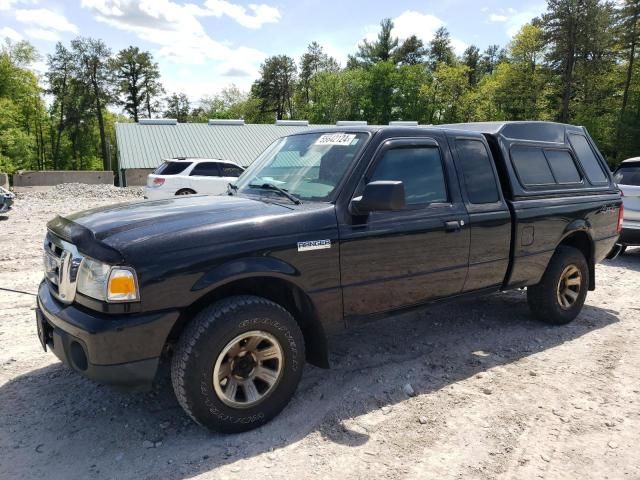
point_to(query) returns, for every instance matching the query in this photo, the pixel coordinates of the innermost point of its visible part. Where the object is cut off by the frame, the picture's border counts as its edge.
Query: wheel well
(185, 190)
(284, 293)
(581, 241)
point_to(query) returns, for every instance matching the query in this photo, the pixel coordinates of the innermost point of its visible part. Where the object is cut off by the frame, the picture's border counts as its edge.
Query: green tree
(276, 86)
(471, 58)
(92, 63)
(380, 50)
(60, 77)
(411, 97)
(230, 103)
(312, 62)
(440, 49)
(178, 107)
(339, 95)
(449, 94)
(521, 82)
(491, 57)
(138, 81)
(410, 52)
(22, 121)
(571, 28)
(380, 83)
(628, 19)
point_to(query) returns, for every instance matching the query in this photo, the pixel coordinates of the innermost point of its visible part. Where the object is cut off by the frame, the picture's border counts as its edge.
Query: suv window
(628, 175)
(477, 171)
(587, 158)
(419, 168)
(563, 167)
(531, 166)
(206, 169)
(172, 168)
(227, 170)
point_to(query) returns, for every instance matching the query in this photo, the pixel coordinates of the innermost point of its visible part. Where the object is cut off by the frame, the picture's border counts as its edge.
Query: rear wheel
(185, 191)
(561, 293)
(238, 363)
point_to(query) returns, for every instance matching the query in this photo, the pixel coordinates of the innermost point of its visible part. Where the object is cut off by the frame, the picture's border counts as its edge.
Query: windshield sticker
(313, 245)
(336, 139)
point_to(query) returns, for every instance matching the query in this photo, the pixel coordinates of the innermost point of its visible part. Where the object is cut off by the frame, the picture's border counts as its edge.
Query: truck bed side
(583, 214)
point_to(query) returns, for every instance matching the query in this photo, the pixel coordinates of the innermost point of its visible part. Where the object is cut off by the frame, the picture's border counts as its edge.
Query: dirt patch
(493, 394)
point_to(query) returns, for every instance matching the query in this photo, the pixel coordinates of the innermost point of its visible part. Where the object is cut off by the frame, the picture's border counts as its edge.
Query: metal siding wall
(145, 146)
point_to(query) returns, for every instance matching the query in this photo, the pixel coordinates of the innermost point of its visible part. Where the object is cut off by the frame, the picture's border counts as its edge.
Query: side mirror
(382, 195)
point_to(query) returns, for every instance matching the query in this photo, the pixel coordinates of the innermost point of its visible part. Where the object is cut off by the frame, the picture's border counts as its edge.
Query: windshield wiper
(275, 188)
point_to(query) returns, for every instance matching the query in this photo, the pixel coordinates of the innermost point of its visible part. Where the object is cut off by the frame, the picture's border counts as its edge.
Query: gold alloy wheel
(569, 287)
(248, 369)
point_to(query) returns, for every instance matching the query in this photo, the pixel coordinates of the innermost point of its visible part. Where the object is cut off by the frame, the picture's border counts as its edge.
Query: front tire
(238, 363)
(561, 293)
(185, 191)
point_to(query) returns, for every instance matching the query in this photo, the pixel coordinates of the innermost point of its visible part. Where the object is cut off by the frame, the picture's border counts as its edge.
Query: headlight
(104, 282)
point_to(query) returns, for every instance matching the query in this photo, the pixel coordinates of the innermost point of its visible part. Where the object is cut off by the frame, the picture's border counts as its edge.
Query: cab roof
(537, 131)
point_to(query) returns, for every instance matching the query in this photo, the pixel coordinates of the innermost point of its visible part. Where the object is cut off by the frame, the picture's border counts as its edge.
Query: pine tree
(380, 50)
(410, 52)
(138, 82)
(440, 49)
(276, 85)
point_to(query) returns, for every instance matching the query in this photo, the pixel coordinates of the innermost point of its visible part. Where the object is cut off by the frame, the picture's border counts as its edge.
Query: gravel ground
(475, 389)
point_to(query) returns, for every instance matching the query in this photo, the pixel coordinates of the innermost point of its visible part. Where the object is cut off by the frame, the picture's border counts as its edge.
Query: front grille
(52, 261)
(61, 264)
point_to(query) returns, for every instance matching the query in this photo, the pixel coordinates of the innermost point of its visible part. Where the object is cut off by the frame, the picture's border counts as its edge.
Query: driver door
(395, 259)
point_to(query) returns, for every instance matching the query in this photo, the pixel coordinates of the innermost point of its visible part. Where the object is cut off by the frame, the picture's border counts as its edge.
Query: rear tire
(185, 191)
(561, 293)
(238, 363)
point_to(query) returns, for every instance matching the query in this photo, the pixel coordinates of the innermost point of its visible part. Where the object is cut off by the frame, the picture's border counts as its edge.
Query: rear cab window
(477, 171)
(172, 168)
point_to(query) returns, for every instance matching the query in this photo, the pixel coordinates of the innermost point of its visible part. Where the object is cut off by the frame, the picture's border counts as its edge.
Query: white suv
(186, 176)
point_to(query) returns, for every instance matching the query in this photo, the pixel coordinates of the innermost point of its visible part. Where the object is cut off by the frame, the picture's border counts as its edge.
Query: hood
(150, 222)
(172, 214)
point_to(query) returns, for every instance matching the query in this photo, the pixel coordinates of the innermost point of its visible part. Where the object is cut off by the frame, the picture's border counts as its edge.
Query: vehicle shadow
(56, 424)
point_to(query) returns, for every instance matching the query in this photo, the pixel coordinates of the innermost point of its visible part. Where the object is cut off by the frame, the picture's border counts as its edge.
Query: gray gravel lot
(475, 389)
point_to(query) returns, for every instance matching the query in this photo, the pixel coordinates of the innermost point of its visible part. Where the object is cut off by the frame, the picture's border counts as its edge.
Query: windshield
(628, 175)
(308, 166)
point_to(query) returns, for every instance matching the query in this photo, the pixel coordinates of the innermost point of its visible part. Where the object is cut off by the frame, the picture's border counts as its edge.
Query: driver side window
(421, 171)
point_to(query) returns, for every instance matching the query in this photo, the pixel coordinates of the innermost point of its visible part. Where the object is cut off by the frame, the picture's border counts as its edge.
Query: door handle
(453, 226)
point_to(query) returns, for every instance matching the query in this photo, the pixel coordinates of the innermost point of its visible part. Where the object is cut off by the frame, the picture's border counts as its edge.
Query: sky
(202, 46)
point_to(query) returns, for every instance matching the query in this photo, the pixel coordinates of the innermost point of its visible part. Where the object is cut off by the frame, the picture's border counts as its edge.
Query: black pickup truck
(327, 228)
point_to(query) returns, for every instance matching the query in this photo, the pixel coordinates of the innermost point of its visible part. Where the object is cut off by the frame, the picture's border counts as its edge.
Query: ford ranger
(326, 229)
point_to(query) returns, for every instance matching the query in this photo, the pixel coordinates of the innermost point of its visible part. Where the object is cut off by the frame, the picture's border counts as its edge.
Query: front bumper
(119, 350)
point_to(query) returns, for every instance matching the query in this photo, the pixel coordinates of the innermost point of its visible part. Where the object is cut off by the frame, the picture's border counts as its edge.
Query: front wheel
(185, 191)
(238, 364)
(561, 293)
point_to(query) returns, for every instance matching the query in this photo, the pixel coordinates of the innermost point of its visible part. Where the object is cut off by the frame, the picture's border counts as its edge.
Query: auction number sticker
(336, 139)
